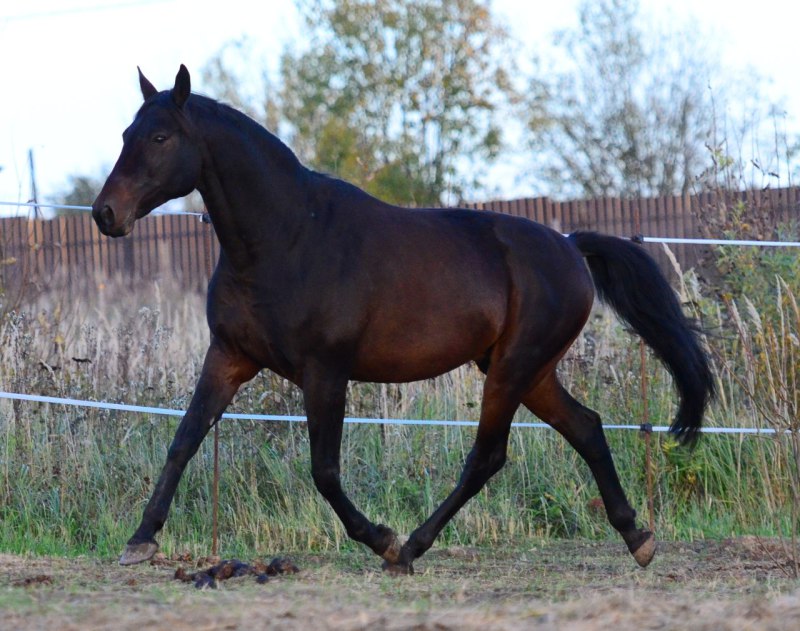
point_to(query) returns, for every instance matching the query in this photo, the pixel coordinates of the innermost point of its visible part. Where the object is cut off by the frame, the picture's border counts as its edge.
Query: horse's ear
(148, 89)
(183, 87)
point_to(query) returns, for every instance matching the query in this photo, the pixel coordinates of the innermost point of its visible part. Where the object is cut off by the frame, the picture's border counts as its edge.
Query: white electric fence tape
(362, 421)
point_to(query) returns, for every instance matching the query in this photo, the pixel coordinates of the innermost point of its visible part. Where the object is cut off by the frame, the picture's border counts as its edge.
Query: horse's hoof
(392, 553)
(138, 553)
(645, 552)
(398, 569)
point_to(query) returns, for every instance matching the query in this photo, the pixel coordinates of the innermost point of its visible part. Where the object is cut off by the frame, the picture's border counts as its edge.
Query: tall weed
(75, 480)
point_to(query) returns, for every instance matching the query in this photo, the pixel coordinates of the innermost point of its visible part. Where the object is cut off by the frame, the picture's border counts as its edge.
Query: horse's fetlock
(622, 519)
(357, 533)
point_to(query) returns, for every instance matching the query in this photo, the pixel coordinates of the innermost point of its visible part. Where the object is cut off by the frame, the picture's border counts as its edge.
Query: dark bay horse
(322, 284)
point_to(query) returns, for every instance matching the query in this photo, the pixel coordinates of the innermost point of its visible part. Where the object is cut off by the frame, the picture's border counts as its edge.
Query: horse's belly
(389, 369)
(422, 349)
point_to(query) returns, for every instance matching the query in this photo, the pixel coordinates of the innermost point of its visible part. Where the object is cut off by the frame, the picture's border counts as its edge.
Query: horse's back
(446, 285)
(536, 259)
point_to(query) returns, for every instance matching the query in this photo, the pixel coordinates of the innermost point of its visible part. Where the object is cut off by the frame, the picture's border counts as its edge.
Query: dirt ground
(732, 584)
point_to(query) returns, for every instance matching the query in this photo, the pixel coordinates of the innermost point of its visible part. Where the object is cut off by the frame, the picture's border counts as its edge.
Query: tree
(233, 76)
(81, 190)
(634, 112)
(397, 96)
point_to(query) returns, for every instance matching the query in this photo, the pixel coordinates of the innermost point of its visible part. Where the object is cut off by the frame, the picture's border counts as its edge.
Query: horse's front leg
(324, 394)
(221, 376)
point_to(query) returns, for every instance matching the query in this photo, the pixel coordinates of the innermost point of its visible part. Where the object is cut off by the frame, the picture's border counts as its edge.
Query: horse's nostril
(107, 216)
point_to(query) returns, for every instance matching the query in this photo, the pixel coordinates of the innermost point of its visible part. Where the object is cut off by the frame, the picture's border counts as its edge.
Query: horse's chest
(248, 329)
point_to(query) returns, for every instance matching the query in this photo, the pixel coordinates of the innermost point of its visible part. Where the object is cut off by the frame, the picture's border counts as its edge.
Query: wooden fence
(706, 215)
(69, 250)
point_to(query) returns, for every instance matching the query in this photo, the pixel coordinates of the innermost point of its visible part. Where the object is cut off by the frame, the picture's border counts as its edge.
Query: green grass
(74, 481)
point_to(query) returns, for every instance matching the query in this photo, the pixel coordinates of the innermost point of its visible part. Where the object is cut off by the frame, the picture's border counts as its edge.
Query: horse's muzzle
(103, 215)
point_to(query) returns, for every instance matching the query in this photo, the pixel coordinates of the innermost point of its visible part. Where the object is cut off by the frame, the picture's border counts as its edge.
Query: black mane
(212, 109)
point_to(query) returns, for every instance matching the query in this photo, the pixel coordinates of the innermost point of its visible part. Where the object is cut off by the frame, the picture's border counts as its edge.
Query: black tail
(629, 280)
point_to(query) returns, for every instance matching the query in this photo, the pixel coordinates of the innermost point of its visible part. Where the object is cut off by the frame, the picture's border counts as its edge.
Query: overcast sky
(69, 83)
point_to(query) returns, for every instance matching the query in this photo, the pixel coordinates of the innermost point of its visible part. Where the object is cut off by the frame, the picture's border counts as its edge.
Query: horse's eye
(159, 138)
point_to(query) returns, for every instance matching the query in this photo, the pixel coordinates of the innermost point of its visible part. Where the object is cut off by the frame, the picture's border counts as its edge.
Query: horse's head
(160, 159)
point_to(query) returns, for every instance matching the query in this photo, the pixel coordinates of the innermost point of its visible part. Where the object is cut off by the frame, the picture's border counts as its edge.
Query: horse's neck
(255, 191)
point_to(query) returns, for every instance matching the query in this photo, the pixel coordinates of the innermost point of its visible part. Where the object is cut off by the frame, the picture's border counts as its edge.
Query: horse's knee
(482, 465)
(496, 460)
(326, 479)
(180, 452)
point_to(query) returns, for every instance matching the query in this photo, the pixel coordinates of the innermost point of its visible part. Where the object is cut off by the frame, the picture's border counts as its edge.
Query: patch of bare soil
(732, 584)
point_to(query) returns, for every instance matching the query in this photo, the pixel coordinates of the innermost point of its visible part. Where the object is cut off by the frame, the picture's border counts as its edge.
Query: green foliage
(754, 271)
(74, 480)
(395, 96)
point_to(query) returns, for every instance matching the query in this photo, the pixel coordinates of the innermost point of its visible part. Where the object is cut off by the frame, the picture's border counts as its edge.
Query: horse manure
(281, 566)
(234, 568)
(203, 580)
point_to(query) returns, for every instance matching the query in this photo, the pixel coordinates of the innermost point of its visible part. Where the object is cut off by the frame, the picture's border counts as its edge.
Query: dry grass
(574, 585)
(74, 482)
(62, 466)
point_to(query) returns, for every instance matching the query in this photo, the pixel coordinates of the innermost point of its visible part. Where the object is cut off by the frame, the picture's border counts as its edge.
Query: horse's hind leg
(583, 430)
